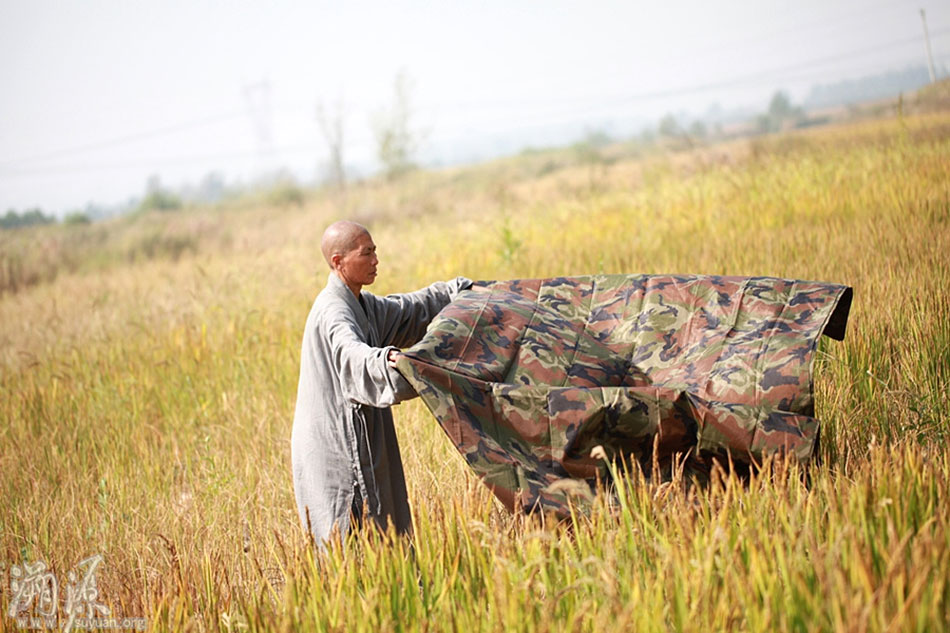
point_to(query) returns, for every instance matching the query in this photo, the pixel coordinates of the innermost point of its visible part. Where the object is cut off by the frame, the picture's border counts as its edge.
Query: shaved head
(340, 238)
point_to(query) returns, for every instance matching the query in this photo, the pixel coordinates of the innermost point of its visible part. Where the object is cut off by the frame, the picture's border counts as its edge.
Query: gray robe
(343, 437)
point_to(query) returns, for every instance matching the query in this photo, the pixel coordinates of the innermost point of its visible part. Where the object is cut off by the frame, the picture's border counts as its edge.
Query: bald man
(343, 445)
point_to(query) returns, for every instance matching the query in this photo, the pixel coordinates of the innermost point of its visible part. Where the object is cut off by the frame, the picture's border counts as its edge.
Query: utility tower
(257, 96)
(930, 57)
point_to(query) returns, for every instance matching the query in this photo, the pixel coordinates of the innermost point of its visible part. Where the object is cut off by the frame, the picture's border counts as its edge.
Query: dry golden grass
(148, 399)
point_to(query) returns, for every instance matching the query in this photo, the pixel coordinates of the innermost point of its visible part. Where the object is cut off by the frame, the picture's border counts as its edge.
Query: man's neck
(354, 287)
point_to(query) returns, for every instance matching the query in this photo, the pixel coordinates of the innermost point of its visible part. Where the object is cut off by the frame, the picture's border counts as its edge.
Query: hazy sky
(99, 94)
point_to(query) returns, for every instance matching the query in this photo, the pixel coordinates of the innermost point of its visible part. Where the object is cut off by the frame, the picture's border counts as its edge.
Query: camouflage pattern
(527, 377)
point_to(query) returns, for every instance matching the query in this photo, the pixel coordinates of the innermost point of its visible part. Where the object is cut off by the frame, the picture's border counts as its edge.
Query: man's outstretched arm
(402, 318)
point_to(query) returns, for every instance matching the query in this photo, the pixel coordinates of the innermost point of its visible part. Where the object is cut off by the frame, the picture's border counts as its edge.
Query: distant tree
(31, 217)
(95, 211)
(714, 113)
(589, 152)
(780, 107)
(598, 138)
(697, 130)
(160, 201)
(211, 188)
(157, 197)
(779, 113)
(588, 149)
(331, 126)
(647, 135)
(396, 140)
(669, 127)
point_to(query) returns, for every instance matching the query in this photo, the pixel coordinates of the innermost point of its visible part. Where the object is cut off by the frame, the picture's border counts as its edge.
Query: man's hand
(392, 357)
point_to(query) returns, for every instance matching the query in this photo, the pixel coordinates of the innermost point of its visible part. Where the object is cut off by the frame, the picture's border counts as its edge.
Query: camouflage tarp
(526, 377)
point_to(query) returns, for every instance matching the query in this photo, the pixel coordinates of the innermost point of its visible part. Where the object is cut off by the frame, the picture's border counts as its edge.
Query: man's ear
(335, 259)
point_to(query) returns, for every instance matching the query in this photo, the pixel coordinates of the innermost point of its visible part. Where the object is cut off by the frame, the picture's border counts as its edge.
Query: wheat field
(149, 369)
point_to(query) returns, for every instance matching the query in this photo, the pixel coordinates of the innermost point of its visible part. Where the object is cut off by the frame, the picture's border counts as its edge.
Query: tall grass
(147, 404)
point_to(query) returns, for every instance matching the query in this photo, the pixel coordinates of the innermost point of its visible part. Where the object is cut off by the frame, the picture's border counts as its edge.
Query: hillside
(149, 369)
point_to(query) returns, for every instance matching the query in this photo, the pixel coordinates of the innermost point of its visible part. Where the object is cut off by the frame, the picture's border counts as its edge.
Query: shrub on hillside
(76, 218)
(160, 200)
(285, 194)
(161, 245)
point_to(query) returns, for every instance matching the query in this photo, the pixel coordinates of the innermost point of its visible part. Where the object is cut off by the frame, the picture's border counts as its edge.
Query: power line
(122, 140)
(712, 46)
(750, 78)
(769, 37)
(218, 118)
(769, 75)
(170, 161)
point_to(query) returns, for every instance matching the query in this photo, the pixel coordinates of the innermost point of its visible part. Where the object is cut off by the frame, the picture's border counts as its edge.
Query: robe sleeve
(365, 374)
(402, 318)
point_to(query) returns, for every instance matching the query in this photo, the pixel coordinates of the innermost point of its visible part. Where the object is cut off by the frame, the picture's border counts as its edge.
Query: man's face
(359, 265)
